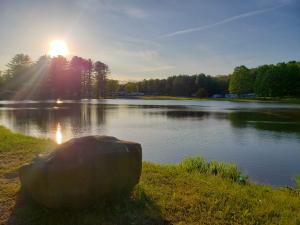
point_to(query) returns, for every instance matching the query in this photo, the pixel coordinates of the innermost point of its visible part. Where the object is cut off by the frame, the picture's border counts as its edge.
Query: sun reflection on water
(58, 134)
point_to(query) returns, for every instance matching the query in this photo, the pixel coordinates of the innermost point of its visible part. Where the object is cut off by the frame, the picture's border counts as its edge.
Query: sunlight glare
(58, 47)
(58, 137)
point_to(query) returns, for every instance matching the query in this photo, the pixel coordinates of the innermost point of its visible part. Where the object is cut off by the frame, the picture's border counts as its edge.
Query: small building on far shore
(248, 95)
(127, 94)
(231, 96)
(135, 94)
(217, 96)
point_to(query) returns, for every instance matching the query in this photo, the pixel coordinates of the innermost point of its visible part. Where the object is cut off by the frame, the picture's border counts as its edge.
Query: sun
(58, 47)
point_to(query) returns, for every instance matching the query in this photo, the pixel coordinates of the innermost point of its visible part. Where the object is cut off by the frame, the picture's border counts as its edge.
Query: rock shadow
(138, 209)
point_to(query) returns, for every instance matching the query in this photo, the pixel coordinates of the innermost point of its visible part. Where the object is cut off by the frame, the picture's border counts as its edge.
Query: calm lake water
(262, 138)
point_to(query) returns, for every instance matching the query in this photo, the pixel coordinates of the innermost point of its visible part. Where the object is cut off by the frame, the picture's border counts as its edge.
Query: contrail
(227, 20)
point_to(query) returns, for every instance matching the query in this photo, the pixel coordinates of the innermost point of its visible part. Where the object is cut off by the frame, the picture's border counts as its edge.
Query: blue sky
(155, 38)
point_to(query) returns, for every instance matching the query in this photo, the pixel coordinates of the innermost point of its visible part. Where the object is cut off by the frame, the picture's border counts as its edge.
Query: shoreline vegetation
(181, 98)
(258, 100)
(191, 192)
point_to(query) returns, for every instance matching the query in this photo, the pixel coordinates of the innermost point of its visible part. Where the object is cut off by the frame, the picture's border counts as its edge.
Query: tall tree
(17, 74)
(42, 78)
(58, 69)
(75, 74)
(18, 64)
(89, 68)
(101, 70)
(1, 78)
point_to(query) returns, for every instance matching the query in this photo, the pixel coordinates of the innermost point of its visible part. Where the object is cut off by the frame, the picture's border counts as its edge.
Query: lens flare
(58, 47)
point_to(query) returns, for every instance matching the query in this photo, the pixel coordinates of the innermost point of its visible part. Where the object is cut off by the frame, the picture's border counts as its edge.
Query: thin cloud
(155, 68)
(139, 55)
(127, 10)
(227, 20)
(135, 12)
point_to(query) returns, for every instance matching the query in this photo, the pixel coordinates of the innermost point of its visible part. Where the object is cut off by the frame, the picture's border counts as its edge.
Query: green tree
(18, 74)
(101, 70)
(201, 93)
(280, 80)
(131, 87)
(89, 68)
(1, 79)
(76, 77)
(262, 84)
(111, 86)
(241, 81)
(18, 64)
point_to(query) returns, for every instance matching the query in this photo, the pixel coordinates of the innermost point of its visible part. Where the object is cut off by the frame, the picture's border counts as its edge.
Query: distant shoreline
(262, 100)
(179, 98)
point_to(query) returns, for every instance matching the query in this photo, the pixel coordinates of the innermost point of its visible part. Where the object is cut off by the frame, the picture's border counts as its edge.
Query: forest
(200, 85)
(79, 78)
(53, 78)
(280, 80)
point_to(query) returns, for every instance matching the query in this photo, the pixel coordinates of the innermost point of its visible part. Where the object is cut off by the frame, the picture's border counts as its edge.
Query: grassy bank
(263, 100)
(192, 192)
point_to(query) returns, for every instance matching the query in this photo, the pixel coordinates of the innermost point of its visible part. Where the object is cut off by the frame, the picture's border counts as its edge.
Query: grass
(297, 181)
(263, 100)
(200, 165)
(192, 192)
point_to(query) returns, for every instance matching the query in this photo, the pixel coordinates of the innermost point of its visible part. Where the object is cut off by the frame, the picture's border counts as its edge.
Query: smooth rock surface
(83, 171)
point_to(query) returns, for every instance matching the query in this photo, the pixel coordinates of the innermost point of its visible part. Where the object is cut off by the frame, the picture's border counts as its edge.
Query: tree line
(53, 78)
(280, 80)
(200, 85)
(56, 77)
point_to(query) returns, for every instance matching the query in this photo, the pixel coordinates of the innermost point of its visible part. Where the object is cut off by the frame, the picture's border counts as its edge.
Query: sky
(143, 39)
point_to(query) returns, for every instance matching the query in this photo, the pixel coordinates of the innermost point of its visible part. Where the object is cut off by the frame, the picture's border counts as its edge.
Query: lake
(263, 139)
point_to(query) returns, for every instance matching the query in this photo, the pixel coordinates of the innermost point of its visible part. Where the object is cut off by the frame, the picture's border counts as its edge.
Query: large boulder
(83, 171)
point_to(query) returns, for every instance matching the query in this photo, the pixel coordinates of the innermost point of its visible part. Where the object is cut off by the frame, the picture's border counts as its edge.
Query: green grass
(263, 100)
(200, 165)
(297, 181)
(192, 192)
